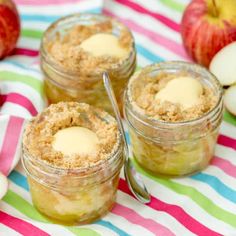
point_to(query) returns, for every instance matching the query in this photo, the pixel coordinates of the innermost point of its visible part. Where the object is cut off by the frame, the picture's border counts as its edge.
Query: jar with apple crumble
(72, 154)
(77, 49)
(173, 110)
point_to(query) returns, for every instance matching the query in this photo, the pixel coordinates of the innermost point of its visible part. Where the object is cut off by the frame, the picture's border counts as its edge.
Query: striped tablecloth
(203, 204)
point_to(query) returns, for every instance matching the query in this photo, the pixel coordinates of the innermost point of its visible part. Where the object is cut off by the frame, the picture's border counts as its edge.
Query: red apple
(207, 26)
(9, 27)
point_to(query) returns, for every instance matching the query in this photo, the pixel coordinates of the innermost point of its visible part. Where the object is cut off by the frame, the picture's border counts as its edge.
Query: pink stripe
(134, 6)
(175, 211)
(44, 2)
(225, 165)
(155, 37)
(10, 142)
(135, 218)
(20, 100)
(227, 141)
(26, 52)
(20, 226)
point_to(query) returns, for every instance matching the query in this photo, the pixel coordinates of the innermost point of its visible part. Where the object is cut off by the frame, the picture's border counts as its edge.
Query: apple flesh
(3, 185)
(9, 27)
(230, 100)
(207, 26)
(223, 65)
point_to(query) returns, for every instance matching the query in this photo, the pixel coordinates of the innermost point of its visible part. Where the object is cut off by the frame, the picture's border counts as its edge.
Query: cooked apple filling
(73, 59)
(171, 117)
(72, 155)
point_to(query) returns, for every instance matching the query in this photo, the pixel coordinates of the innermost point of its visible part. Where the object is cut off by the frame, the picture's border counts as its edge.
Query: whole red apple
(9, 27)
(207, 26)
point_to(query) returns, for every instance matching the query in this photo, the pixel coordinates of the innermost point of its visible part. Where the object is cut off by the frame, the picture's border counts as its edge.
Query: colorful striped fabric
(203, 204)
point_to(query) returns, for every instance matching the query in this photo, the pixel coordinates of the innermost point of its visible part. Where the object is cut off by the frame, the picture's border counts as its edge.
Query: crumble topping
(65, 48)
(143, 89)
(39, 134)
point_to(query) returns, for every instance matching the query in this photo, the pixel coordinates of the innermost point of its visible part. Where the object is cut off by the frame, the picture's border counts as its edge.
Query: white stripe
(61, 9)
(36, 25)
(4, 119)
(142, 61)
(25, 90)
(228, 129)
(133, 229)
(51, 229)
(6, 231)
(159, 7)
(226, 153)
(20, 191)
(29, 43)
(147, 21)
(18, 149)
(27, 71)
(167, 195)
(15, 109)
(160, 217)
(25, 60)
(209, 192)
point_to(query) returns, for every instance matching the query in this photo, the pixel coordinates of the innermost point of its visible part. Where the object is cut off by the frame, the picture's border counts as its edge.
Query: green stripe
(201, 200)
(26, 79)
(174, 5)
(27, 209)
(31, 33)
(229, 118)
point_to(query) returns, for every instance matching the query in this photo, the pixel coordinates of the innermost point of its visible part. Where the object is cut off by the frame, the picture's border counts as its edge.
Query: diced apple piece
(3, 185)
(230, 100)
(223, 65)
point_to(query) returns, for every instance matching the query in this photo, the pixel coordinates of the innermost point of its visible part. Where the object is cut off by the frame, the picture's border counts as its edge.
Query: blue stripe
(21, 181)
(17, 64)
(50, 18)
(217, 185)
(147, 54)
(127, 137)
(112, 227)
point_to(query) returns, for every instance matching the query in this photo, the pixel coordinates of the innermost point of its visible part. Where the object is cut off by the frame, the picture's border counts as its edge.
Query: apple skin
(9, 27)
(207, 26)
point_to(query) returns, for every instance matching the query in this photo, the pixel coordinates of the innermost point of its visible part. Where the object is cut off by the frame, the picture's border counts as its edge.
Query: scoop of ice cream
(102, 44)
(183, 90)
(75, 140)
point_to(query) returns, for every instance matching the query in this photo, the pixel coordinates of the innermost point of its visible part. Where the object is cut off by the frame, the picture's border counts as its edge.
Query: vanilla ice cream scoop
(183, 90)
(103, 44)
(75, 140)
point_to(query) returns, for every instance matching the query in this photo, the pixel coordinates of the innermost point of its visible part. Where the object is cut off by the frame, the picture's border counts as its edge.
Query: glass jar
(68, 85)
(174, 148)
(74, 196)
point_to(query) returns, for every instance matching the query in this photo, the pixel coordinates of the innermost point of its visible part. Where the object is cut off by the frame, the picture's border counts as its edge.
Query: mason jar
(78, 195)
(68, 85)
(174, 148)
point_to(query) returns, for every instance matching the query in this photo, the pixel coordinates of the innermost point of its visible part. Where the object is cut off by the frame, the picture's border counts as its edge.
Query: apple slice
(230, 100)
(223, 65)
(3, 185)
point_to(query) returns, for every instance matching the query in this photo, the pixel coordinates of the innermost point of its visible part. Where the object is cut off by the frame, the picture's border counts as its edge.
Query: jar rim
(161, 66)
(74, 74)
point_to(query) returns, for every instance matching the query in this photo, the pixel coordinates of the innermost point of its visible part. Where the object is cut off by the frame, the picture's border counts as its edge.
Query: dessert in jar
(72, 154)
(77, 49)
(173, 110)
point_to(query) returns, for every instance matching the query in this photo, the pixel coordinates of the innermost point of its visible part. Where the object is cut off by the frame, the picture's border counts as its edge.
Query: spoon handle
(110, 92)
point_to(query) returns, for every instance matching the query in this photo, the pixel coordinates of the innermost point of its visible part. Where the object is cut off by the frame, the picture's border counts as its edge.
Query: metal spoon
(132, 177)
